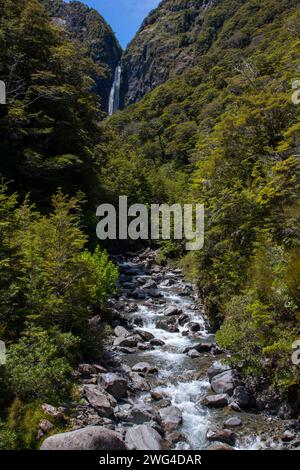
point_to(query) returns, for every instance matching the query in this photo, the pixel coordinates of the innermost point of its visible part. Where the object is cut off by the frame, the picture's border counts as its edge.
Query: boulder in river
(224, 382)
(137, 414)
(170, 311)
(241, 397)
(127, 342)
(144, 367)
(139, 383)
(89, 438)
(121, 332)
(193, 353)
(145, 335)
(171, 418)
(157, 342)
(102, 402)
(216, 401)
(216, 368)
(114, 384)
(221, 435)
(143, 437)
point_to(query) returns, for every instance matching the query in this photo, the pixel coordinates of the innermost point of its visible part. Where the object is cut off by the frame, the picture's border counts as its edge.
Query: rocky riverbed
(163, 383)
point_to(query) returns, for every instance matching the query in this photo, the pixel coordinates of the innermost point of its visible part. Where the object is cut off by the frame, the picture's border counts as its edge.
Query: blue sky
(124, 16)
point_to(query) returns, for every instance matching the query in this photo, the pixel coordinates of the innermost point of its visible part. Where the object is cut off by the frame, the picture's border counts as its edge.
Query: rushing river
(181, 378)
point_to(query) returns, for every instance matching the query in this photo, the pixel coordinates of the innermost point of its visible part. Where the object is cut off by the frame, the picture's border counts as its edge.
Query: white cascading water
(114, 97)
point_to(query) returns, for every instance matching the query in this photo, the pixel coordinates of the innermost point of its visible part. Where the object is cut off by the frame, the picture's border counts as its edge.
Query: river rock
(124, 350)
(157, 342)
(171, 418)
(113, 384)
(45, 426)
(89, 438)
(150, 284)
(241, 397)
(219, 446)
(194, 327)
(170, 311)
(127, 342)
(143, 437)
(121, 332)
(145, 335)
(222, 435)
(139, 383)
(144, 367)
(56, 413)
(193, 353)
(103, 403)
(137, 414)
(183, 318)
(215, 369)
(224, 382)
(216, 401)
(168, 324)
(233, 422)
(156, 396)
(144, 346)
(201, 347)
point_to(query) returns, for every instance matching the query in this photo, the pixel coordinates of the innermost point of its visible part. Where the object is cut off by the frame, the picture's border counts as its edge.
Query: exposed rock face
(87, 26)
(143, 437)
(90, 438)
(166, 44)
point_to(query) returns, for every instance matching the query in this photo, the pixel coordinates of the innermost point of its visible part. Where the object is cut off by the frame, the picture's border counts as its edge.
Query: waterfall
(114, 97)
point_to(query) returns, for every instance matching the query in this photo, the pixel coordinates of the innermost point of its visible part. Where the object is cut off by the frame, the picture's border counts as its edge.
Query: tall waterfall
(114, 97)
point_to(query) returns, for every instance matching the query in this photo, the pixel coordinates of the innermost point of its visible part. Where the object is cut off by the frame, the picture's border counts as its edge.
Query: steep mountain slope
(87, 26)
(172, 38)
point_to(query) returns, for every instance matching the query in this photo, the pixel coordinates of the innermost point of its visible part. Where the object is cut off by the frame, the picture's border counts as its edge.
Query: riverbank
(163, 383)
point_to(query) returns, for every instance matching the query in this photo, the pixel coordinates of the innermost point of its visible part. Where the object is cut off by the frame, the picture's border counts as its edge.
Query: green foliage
(38, 365)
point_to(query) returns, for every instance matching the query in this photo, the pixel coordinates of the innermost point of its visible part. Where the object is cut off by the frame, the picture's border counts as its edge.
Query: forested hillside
(216, 126)
(88, 28)
(226, 133)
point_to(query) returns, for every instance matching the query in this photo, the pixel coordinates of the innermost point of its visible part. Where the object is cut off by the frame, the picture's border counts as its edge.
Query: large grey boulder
(143, 437)
(127, 342)
(89, 438)
(171, 418)
(139, 383)
(215, 369)
(114, 384)
(170, 311)
(138, 414)
(121, 332)
(225, 382)
(145, 335)
(102, 402)
(216, 401)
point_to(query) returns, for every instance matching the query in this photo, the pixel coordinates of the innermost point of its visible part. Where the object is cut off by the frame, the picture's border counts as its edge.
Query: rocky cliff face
(168, 42)
(173, 38)
(87, 26)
